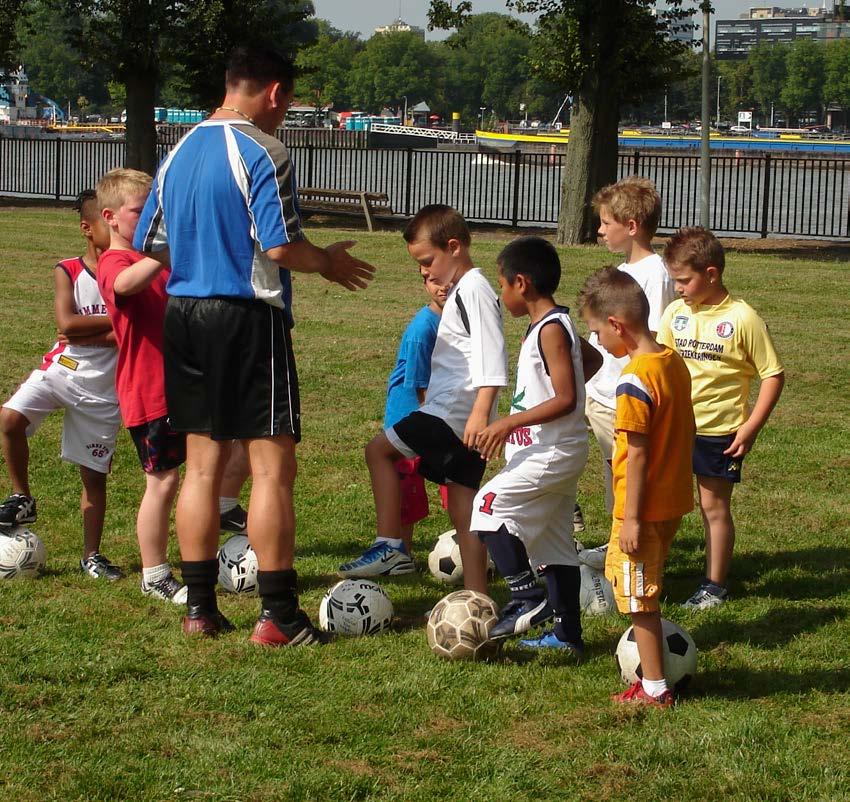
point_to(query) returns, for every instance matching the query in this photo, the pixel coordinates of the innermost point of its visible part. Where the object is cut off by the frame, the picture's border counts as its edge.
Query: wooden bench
(345, 201)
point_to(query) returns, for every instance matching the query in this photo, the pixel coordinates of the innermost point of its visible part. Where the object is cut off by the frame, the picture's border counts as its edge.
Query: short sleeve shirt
(724, 346)
(224, 196)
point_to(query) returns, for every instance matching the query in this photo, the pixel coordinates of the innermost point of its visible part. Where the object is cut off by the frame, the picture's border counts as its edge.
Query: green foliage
(802, 90)
(836, 87)
(325, 66)
(9, 47)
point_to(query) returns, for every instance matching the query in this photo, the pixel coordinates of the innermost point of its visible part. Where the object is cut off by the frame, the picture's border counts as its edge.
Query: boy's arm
(637, 460)
(137, 277)
(769, 392)
(591, 359)
(68, 322)
(480, 415)
(555, 345)
(106, 339)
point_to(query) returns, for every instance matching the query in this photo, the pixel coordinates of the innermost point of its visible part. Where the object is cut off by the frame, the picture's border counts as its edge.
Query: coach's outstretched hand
(347, 270)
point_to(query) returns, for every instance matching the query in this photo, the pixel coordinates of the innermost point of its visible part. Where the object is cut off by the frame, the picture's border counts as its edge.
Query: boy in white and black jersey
(524, 514)
(468, 368)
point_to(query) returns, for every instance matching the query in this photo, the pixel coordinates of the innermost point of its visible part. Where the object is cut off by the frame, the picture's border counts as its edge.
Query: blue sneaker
(548, 640)
(518, 616)
(380, 559)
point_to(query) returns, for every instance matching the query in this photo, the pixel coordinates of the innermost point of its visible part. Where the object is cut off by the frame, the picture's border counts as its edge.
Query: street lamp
(404, 119)
(482, 109)
(718, 102)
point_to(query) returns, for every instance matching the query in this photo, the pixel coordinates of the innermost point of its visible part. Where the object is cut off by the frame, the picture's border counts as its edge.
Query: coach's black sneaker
(271, 631)
(17, 509)
(519, 616)
(234, 520)
(98, 567)
(200, 620)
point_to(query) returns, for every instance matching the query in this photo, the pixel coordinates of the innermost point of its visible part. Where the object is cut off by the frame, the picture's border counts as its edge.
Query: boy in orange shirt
(654, 434)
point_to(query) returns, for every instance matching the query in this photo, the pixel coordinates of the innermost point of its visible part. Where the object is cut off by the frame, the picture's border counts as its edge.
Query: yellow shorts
(636, 578)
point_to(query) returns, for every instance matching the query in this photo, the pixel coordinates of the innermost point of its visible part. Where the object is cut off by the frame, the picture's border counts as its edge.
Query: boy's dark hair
(85, 204)
(697, 248)
(536, 259)
(260, 66)
(438, 224)
(632, 198)
(610, 292)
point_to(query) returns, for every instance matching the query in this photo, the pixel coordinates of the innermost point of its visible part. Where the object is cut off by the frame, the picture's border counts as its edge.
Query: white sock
(226, 504)
(395, 542)
(654, 687)
(156, 574)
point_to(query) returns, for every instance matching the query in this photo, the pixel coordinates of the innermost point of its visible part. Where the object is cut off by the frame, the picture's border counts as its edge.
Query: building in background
(400, 26)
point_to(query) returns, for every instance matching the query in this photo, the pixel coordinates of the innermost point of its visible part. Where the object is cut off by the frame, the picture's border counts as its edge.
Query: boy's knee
(12, 422)
(379, 448)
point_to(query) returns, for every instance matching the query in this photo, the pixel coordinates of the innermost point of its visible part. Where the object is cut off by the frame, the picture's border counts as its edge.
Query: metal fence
(756, 195)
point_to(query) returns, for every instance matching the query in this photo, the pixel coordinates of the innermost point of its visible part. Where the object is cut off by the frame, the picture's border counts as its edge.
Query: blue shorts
(709, 459)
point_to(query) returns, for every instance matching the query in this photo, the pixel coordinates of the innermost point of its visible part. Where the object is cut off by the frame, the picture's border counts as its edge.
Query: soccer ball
(459, 626)
(355, 607)
(596, 595)
(444, 560)
(21, 553)
(680, 656)
(237, 566)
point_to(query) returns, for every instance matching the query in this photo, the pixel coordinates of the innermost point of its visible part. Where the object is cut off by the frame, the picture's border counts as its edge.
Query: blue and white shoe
(380, 559)
(518, 616)
(548, 641)
(594, 558)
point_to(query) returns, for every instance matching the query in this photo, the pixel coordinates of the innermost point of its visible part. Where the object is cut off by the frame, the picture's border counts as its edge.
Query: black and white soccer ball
(444, 561)
(596, 595)
(22, 553)
(355, 607)
(459, 626)
(237, 566)
(680, 656)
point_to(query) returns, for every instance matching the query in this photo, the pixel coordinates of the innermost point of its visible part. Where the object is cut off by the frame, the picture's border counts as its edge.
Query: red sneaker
(200, 621)
(270, 631)
(637, 695)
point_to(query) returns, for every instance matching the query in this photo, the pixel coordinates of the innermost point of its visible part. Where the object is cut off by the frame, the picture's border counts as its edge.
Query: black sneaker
(235, 521)
(168, 589)
(17, 509)
(519, 616)
(271, 631)
(98, 567)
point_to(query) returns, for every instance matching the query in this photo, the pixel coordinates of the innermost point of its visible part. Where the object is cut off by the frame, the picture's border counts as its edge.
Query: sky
(366, 15)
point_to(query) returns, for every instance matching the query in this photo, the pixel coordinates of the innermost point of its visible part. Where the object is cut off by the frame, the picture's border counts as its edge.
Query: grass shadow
(747, 683)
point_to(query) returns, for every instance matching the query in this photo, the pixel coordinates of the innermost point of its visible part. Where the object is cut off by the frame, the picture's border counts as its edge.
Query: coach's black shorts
(709, 459)
(159, 447)
(444, 457)
(229, 369)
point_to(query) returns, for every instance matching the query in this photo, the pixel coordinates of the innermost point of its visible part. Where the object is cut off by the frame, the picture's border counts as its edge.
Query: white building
(400, 26)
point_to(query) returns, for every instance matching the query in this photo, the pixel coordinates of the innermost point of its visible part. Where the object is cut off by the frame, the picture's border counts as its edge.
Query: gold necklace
(236, 111)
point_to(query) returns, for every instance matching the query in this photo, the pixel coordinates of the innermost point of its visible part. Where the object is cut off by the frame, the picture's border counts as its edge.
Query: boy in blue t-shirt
(405, 394)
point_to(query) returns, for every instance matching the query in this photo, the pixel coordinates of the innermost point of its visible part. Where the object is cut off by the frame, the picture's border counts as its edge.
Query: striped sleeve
(634, 405)
(150, 233)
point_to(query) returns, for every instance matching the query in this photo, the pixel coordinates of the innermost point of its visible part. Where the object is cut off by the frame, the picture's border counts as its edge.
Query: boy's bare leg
(236, 471)
(271, 512)
(406, 535)
(92, 508)
(648, 637)
(473, 553)
(154, 513)
(197, 505)
(16, 450)
(715, 501)
(381, 457)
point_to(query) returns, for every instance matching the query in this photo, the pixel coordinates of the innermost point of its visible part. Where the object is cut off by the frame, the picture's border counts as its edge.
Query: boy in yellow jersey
(653, 441)
(724, 344)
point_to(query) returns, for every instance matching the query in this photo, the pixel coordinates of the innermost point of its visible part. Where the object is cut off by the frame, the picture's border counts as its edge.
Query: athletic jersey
(534, 386)
(654, 398)
(724, 347)
(659, 289)
(469, 352)
(412, 369)
(224, 196)
(91, 366)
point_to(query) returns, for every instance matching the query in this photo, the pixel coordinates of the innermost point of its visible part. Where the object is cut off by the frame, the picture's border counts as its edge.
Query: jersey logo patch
(680, 322)
(725, 329)
(516, 401)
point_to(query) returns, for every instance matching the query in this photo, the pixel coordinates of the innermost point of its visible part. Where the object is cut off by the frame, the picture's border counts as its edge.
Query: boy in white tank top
(524, 514)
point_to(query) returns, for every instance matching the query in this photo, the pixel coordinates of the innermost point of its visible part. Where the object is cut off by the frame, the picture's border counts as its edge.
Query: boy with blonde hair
(654, 431)
(629, 212)
(724, 344)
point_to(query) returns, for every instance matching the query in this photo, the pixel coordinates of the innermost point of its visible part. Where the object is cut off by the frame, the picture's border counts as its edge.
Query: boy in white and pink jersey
(77, 375)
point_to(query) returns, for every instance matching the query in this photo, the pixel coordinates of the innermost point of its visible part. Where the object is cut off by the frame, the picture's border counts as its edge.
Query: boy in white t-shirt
(628, 217)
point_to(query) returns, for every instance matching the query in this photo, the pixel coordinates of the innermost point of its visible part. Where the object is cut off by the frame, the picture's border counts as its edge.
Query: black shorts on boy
(709, 459)
(159, 446)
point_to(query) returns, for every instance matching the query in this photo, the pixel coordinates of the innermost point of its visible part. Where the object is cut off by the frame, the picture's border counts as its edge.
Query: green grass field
(101, 697)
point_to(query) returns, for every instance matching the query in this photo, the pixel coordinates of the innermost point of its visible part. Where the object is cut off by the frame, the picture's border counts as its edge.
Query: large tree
(325, 67)
(769, 71)
(836, 88)
(9, 10)
(604, 53)
(803, 88)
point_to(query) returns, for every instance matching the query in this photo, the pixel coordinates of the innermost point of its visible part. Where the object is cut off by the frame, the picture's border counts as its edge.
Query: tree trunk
(141, 128)
(591, 160)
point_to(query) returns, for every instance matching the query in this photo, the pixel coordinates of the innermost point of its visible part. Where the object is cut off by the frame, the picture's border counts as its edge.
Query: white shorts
(601, 421)
(533, 497)
(90, 425)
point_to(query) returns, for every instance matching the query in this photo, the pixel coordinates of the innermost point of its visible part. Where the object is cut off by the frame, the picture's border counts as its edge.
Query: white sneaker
(594, 558)
(168, 589)
(704, 599)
